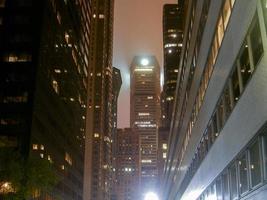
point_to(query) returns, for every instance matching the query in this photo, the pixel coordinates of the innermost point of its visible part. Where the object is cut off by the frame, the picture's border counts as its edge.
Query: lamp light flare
(151, 196)
(144, 61)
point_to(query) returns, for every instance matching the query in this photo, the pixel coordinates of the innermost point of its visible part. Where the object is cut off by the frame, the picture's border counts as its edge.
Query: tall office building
(98, 151)
(217, 148)
(43, 85)
(145, 115)
(127, 165)
(173, 19)
(116, 82)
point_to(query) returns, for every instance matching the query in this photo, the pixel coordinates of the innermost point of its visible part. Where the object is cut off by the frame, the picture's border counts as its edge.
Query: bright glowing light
(143, 70)
(151, 196)
(144, 61)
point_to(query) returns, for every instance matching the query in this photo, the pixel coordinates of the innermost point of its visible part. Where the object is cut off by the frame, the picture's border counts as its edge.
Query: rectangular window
(226, 12)
(245, 64)
(219, 189)
(255, 163)
(256, 42)
(233, 182)
(243, 173)
(236, 85)
(225, 185)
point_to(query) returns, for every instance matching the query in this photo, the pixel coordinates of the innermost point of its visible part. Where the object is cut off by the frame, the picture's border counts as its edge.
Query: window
(24, 57)
(226, 12)
(220, 31)
(219, 189)
(243, 173)
(236, 85)
(225, 184)
(245, 64)
(264, 10)
(265, 153)
(233, 182)
(227, 102)
(256, 43)
(255, 167)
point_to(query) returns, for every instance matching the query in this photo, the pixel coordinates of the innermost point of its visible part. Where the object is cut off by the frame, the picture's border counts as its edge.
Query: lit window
(96, 135)
(35, 146)
(58, 71)
(67, 37)
(18, 57)
(150, 97)
(94, 15)
(164, 146)
(143, 114)
(55, 86)
(164, 155)
(62, 167)
(42, 147)
(146, 161)
(41, 155)
(101, 16)
(68, 158)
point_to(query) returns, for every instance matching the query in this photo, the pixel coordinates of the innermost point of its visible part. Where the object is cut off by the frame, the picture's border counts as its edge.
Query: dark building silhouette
(173, 19)
(44, 54)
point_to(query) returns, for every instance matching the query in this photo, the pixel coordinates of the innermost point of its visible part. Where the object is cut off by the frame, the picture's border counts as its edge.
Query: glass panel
(256, 43)
(255, 166)
(264, 10)
(265, 153)
(243, 174)
(226, 12)
(233, 182)
(219, 189)
(227, 103)
(245, 64)
(226, 193)
(215, 126)
(236, 85)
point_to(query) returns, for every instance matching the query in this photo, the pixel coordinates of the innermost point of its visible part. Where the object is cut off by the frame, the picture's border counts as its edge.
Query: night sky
(137, 31)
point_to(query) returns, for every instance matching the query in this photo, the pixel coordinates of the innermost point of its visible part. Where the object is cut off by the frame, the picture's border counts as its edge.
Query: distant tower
(145, 115)
(172, 48)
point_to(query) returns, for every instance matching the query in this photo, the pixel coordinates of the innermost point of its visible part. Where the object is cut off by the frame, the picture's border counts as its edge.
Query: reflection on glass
(243, 174)
(255, 167)
(256, 43)
(233, 181)
(245, 64)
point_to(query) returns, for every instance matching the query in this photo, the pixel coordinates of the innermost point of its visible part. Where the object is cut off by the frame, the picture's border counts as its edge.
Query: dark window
(227, 103)
(245, 64)
(243, 173)
(233, 182)
(236, 85)
(255, 167)
(256, 42)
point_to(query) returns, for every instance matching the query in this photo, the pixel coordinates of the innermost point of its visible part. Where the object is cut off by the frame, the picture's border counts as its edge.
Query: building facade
(43, 85)
(116, 82)
(217, 147)
(145, 115)
(98, 151)
(173, 16)
(127, 165)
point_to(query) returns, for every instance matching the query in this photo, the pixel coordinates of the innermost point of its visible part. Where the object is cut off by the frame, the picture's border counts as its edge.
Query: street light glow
(144, 61)
(151, 196)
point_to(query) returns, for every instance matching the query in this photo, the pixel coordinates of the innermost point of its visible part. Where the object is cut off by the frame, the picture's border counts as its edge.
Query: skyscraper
(116, 82)
(145, 115)
(217, 147)
(98, 152)
(127, 165)
(43, 85)
(173, 19)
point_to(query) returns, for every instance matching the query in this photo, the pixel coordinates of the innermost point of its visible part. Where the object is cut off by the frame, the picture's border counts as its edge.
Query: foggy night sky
(137, 31)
